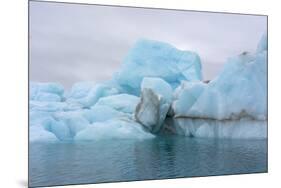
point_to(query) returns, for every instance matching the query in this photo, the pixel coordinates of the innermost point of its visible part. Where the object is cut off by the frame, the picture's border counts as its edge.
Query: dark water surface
(126, 160)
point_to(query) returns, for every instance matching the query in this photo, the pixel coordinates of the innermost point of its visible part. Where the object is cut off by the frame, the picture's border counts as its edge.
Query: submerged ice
(158, 88)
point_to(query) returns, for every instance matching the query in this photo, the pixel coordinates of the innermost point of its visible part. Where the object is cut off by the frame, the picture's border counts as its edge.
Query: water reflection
(125, 160)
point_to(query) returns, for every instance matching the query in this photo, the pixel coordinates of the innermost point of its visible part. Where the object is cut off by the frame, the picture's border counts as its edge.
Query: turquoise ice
(150, 58)
(157, 88)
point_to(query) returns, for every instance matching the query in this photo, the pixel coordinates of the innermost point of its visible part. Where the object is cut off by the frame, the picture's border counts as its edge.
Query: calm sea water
(159, 158)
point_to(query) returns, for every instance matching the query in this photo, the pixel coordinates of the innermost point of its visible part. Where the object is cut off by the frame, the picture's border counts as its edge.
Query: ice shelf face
(157, 88)
(157, 59)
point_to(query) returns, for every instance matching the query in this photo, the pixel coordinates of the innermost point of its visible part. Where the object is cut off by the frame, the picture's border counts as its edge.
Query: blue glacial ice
(63, 121)
(230, 95)
(88, 94)
(119, 128)
(46, 92)
(122, 102)
(157, 59)
(157, 88)
(233, 105)
(100, 113)
(80, 90)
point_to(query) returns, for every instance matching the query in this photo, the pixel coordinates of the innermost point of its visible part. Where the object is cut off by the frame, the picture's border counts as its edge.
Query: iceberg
(230, 95)
(156, 98)
(150, 58)
(158, 88)
(62, 121)
(233, 105)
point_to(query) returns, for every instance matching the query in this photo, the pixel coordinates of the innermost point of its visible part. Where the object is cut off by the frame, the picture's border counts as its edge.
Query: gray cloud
(71, 42)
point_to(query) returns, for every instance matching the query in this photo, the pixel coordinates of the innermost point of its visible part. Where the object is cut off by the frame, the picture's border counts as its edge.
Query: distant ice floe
(157, 88)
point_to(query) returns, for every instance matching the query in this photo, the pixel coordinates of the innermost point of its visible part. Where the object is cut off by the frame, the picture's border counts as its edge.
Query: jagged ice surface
(150, 58)
(156, 81)
(240, 90)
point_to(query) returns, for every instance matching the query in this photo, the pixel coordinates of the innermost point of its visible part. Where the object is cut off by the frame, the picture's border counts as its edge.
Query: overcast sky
(72, 42)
